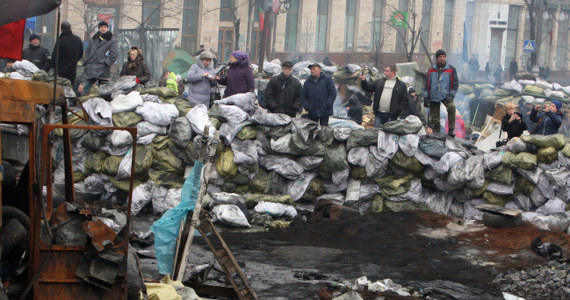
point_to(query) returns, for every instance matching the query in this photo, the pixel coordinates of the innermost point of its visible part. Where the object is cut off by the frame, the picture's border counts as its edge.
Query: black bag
(215, 94)
(500, 142)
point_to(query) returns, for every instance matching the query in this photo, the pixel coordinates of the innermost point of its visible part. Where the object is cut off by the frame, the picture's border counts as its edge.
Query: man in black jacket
(69, 52)
(390, 96)
(37, 54)
(283, 92)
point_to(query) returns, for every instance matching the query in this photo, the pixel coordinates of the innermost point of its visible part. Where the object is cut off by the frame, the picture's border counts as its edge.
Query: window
(377, 24)
(291, 29)
(322, 21)
(512, 32)
(225, 43)
(448, 24)
(349, 25)
(44, 26)
(401, 34)
(255, 44)
(151, 12)
(562, 51)
(190, 26)
(226, 10)
(426, 21)
(257, 9)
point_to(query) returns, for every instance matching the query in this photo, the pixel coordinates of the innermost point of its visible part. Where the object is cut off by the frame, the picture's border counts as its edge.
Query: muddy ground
(433, 254)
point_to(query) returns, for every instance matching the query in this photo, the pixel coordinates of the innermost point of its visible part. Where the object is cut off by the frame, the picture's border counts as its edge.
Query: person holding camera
(512, 122)
(548, 121)
(441, 86)
(201, 78)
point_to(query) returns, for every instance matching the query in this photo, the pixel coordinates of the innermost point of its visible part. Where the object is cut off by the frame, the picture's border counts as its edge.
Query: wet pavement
(432, 254)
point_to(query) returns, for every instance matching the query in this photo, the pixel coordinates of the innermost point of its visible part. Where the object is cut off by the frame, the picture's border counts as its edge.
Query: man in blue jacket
(441, 86)
(318, 95)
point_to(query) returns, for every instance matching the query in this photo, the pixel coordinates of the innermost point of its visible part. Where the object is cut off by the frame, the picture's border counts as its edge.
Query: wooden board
(499, 210)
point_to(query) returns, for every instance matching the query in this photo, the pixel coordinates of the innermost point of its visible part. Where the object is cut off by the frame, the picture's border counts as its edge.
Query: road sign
(529, 46)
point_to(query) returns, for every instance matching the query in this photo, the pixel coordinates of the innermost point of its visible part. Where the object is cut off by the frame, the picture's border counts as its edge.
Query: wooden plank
(499, 210)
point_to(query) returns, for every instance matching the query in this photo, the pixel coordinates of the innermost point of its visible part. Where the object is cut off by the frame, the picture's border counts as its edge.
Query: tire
(13, 234)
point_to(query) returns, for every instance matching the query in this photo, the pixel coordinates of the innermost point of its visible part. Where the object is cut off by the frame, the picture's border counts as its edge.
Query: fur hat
(439, 53)
(206, 55)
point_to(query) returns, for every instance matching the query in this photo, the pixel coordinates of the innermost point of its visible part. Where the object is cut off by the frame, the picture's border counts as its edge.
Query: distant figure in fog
(498, 73)
(487, 71)
(513, 68)
(473, 67)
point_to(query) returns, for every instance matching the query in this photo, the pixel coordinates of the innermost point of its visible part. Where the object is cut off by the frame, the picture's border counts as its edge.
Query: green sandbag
(526, 161)
(326, 136)
(124, 184)
(143, 161)
(502, 93)
(126, 119)
(225, 163)
(531, 89)
(357, 172)
(276, 184)
(486, 93)
(247, 133)
(508, 159)
(397, 206)
(315, 148)
(92, 141)
(165, 160)
(362, 138)
(275, 132)
(216, 123)
(243, 189)
(94, 162)
(162, 91)
(238, 179)
(484, 86)
(252, 200)
(524, 186)
(478, 192)
(544, 141)
(401, 127)
(335, 159)
(111, 165)
(314, 189)
(501, 174)
(169, 180)
(410, 164)
(377, 204)
(183, 107)
(259, 182)
(495, 199)
(547, 155)
(395, 184)
(160, 142)
(79, 176)
(465, 88)
(566, 150)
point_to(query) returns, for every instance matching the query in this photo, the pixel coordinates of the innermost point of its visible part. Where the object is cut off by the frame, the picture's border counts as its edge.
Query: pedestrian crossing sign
(528, 46)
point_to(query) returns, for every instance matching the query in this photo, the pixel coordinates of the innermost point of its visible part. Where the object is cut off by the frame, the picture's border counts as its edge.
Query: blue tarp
(166, 229)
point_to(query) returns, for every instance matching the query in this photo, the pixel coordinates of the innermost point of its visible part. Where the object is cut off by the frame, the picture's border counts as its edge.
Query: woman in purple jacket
(240, 77)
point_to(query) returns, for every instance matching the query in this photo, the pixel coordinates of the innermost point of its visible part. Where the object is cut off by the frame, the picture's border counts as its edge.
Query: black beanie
(439, 52)
(103, 23)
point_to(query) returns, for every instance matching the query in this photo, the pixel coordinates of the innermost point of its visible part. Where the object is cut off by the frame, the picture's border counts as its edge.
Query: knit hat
(558, 104)
(287, 64)
(206, 55)
(65, 25)
(34, 36)
(241, 56)
(439, 53)
(102, 23)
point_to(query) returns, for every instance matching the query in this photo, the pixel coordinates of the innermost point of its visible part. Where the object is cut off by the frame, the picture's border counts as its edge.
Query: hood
(172, 76)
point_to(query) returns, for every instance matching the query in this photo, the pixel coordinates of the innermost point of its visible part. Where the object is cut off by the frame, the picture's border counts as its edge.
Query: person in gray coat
(201, 77)
(100, 54)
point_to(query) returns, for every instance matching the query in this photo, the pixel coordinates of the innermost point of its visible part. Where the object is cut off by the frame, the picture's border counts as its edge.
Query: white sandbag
(244, 152)
(551, 207)
(330, 69)
(286, 167)
(159, 199)
(530, 175)
(198, 117)
(276, 61)
(554, 165)
(276, 210)
(144, 128)
(341, 123)
(437, 202)
(559, 177)
(142, 196)
(493, 159)
(225, 198)
(232, 113)
(25, 67)
(95, 183)
(17, 75)
(272, 69)
(120, 138)
(512, 85)
(358, 156)
(310, 162)
(173, 198)
(543, 84)
(447, 161)
(387, 144)
(557, 94)
(425, 159)
(566, 90)
(537, 198)
(375, 167)
(158, 114)
(125, 166)
(335, 197)
(430, 173)
(547, 92)
(151, 98)
(472, 213)
(556, 86)
(413, 194)
(352, 68)
(555, 222)
(341, 177)
(409, 144)
(445, 186)
(470, 171)
(180, 131)
(330, 188)
(265, 117)
(245, 101)
(99, 112)
(522, 202)
(297, 188)
(281, 145)
(127, 102)
(368, 190)
(146, 140)
(526, 81)
(545, 187)
(230, 215)
(500, 188)
(342, 134)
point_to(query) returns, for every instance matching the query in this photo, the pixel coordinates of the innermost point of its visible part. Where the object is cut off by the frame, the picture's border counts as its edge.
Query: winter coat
(547, 122)
(70, 52)
(399, 100)
(514, 128)
(283, 95)
(171, 82)
(100, 54)
(239, 78)
(39, 56)
(200, 87)
(437, 89)
(318, 96)
(137, 68)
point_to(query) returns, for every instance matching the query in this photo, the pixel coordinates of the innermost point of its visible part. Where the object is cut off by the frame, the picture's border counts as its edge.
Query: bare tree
(376, 43)
(307, 36)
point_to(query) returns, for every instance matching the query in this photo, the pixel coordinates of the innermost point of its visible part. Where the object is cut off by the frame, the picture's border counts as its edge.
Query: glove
(138, 81)
(426, 102)
(448, 99)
